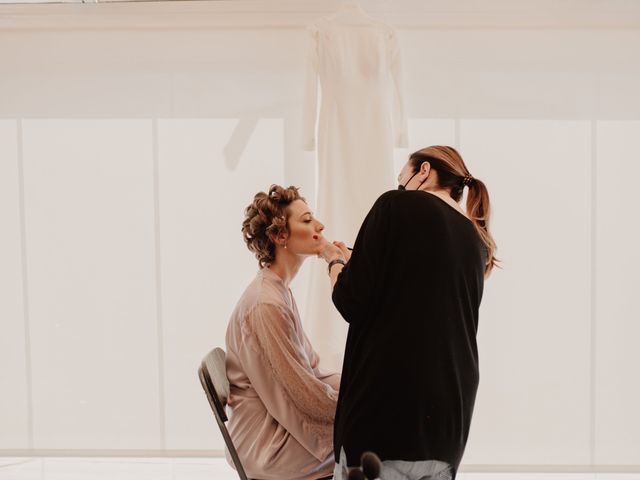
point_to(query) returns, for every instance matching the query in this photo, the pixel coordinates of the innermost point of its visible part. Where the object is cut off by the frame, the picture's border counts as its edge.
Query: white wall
(128, 152)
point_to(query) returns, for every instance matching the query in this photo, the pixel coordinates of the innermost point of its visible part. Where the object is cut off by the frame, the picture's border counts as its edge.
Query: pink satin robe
(282, 405)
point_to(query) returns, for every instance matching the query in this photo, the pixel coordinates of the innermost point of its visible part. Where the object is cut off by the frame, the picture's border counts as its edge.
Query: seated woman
(282, 404)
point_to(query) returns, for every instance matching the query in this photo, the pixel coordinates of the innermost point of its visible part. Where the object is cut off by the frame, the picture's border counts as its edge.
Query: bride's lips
(315, 237)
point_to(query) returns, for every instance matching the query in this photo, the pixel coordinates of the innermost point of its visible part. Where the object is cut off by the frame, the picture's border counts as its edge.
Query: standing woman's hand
(330, 251)
(334, 251)
(346, 253)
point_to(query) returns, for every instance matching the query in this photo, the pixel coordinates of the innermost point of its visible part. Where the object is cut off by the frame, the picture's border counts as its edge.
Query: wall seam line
(158, 279)
(593, 303)
(25, 283)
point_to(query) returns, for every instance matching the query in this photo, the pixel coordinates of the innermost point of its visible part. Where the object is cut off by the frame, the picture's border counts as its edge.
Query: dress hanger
(351, 12)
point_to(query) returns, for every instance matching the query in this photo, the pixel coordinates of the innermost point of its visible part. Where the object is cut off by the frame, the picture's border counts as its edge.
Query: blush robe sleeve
(330, 378)
(283, 376)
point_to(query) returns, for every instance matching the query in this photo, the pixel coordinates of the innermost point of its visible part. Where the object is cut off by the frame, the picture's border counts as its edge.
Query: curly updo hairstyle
(265, 219)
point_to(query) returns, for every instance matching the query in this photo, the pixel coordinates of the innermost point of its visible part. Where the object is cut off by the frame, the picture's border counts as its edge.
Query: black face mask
(404, 187)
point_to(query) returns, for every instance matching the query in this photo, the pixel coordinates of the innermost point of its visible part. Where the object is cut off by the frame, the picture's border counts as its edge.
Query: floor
(66, 468)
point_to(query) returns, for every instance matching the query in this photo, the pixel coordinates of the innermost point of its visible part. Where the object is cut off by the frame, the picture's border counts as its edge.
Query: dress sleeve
(359, 281)
(279, 370)
(398, 110)
(310, 102)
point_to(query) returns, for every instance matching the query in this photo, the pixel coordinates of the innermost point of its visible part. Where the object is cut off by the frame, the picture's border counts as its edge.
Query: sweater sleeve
(357, 285)
(279, 370)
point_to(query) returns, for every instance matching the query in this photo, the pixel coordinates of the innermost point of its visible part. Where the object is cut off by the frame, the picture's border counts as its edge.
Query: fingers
(341, 246)
(328, 251)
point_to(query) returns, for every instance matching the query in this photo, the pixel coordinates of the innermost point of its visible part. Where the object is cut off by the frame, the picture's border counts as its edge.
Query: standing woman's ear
(425, 168)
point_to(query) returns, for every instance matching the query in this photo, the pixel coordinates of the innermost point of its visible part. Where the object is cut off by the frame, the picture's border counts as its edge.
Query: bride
(282, 405)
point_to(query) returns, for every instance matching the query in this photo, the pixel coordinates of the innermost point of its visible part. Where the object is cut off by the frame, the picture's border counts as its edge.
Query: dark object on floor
(370, 465)
(356, 474)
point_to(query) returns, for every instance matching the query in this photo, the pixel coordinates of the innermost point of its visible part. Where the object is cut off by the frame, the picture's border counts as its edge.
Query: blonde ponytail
(479, 211)
(454, 176)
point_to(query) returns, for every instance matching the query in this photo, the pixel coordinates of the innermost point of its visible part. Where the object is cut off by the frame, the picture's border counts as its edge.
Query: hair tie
(468, 180)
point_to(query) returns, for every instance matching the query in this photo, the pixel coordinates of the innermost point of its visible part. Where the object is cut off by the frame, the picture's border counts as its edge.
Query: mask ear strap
(404, 187)
(426, 178)
(422, 182)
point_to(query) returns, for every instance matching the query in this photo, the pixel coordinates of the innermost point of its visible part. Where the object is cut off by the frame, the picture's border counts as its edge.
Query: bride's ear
(281, 239)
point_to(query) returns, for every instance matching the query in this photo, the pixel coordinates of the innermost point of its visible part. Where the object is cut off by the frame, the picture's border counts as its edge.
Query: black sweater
(411, 293)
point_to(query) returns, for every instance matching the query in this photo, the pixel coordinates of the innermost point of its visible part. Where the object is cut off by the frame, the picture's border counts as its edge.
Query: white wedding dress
(355, 60)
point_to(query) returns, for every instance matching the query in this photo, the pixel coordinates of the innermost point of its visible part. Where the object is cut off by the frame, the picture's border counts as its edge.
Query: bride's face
(305, 231)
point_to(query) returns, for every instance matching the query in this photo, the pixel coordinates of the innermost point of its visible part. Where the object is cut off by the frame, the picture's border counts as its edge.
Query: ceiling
(109, 14)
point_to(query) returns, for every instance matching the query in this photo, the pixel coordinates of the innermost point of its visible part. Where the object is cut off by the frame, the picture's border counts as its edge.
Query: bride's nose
(320, 227)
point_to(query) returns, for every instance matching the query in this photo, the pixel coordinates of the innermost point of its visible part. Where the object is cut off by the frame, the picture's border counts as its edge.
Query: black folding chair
(213, 377)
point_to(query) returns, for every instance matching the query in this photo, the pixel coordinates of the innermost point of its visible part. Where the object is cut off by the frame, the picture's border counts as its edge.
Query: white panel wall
(90, 237)
(112, 371)
(14, 401)
(521, 73)
(618, 313)
(422, 133)
(533, 405)
(205, 263)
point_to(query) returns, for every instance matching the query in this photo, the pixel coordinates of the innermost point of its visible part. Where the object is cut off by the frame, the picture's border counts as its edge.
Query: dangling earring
(285, 246)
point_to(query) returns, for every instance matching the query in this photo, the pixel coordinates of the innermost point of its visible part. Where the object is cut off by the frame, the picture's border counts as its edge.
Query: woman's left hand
(330, 251)
(346, 253)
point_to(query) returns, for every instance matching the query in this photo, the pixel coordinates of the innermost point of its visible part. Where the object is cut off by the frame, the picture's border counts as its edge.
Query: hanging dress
(355, 62)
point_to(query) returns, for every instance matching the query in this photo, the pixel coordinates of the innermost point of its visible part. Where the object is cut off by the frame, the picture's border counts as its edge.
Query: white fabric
(356, 62)
(401, 470)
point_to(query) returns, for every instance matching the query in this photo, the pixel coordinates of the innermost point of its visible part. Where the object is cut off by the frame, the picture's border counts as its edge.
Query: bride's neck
(286, 265)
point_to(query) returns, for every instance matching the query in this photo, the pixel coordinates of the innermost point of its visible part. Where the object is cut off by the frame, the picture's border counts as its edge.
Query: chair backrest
(213, 377)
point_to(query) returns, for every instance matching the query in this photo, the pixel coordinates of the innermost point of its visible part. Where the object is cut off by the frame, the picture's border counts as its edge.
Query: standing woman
(282, 405)
(411, 292)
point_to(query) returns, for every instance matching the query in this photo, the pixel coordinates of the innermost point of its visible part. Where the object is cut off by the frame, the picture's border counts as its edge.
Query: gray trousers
(401, 470)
